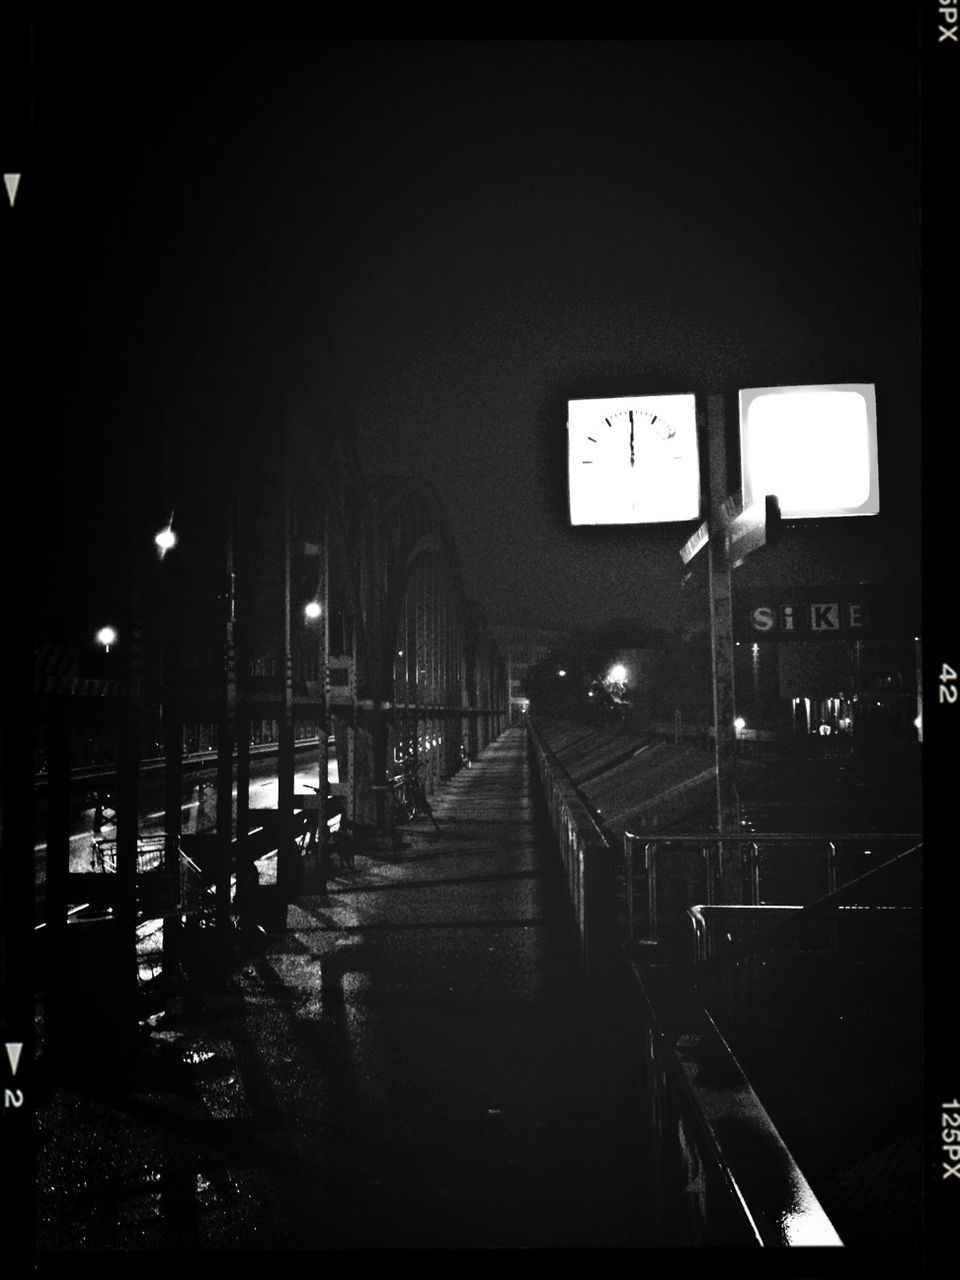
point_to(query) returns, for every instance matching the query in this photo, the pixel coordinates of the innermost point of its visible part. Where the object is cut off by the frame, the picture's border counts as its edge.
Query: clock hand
(631, 437)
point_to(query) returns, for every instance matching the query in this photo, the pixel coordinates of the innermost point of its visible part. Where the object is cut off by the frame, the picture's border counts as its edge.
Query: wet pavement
(413, 1063)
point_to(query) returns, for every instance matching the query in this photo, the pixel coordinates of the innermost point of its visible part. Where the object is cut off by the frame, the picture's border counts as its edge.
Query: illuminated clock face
(633, 460)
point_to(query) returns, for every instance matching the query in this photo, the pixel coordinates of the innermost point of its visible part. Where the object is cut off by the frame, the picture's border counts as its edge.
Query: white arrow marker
(12, 181)
(13, 1053)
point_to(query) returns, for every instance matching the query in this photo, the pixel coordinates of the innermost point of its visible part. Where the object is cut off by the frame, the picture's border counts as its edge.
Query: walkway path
(412, 1064)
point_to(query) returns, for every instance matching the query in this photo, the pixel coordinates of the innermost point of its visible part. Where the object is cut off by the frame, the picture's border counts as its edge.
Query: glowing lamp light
(617, 673)
(165, 541)
(814, 448)
(561, 673)
(312, 610)
(739, 724)
(106, 636)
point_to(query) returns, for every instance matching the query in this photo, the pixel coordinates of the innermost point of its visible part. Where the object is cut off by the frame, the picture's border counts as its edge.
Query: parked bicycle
(409, 794)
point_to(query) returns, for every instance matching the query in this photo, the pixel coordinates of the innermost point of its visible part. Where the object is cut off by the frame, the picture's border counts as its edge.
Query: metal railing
(588, 863)
(822, 1006)
(665, 875)
(724, 1172)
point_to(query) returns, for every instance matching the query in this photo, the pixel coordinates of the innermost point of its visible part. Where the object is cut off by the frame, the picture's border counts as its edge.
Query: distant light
(739, 724)
(561, 673)
(590, 694)
(165, 541)
(399, 653)
(617, 673)
(918, 722)
(107, 637)
(312, 609)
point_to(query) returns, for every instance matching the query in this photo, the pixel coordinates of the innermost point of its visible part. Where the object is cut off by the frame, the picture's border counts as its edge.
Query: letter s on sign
(762, 618)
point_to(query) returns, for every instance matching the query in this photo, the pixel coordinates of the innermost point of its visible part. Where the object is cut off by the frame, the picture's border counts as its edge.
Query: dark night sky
(478, 230)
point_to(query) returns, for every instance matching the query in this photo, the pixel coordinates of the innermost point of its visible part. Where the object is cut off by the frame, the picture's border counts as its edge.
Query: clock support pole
(721, 626)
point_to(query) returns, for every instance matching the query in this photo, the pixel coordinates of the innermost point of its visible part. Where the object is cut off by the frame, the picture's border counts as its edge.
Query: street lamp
(165, 541)
(312, 610)
(106, 636)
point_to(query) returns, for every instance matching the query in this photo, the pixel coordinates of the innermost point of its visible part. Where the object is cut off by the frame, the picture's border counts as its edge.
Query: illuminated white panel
(633, 460)
(814, 447)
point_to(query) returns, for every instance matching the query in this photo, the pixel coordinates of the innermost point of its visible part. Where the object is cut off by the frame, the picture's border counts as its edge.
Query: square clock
(633, 460)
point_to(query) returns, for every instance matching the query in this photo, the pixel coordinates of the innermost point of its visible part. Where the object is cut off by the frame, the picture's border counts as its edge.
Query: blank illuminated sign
(815, 448)
(633, 460)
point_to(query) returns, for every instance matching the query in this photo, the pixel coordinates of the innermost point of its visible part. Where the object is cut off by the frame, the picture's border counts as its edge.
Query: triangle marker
(13, 1053)
(12, 181)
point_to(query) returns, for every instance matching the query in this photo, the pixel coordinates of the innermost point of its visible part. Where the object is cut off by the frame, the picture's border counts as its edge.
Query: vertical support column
(433, 622)
(418, 645)
(288, 866)
(721, 627)
(172, 729)
(226, 742)
(245, 875)
(56, 996)
(628, 843)
(721, 636)
(323, 667)
(128, 769)
(353, 726)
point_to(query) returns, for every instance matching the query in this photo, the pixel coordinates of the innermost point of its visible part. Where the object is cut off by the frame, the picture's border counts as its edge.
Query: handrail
(812, 911)
(154, 764)
(776, 1204)
(749, 845)
(587, 858)
(753, 837)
